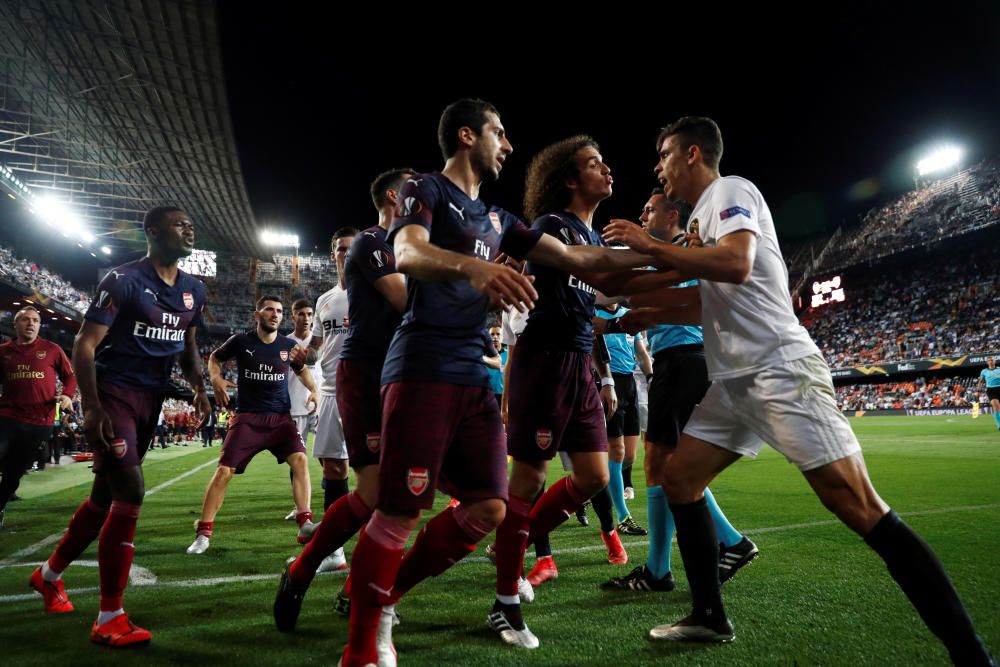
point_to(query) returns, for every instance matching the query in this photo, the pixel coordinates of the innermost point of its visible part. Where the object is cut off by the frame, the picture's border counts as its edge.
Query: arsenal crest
(188, 300)
(495, 221)
(284, 355)
(417, 480)
(40, 354)
(374, 441)
(693, 227)
(119, 447)
(543, 438)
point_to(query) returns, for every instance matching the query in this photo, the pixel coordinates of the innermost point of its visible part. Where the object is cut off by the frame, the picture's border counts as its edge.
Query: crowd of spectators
(918, 394)
(48, 283)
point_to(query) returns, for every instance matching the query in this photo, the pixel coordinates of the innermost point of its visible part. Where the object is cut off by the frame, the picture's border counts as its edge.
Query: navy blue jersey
(372, 318)
(147, 320)
(443, 337)
(561, 319)
(262, 385)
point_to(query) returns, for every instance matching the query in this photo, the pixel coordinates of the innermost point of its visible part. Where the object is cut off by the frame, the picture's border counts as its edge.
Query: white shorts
(329, 442)
(306, 424)
(642, 399)
(791, 406)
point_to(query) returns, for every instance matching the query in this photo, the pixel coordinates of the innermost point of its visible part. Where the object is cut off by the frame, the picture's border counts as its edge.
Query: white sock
(509, 599)
(106, 616)
(48, 574)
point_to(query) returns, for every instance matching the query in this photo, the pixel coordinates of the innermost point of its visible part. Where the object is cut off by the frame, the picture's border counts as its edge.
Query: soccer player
(769, 384)
(680, 380)
(302, 319)
(554, 403)
(329, 329)
(991, 375)
(376, 299)
(144, 314)
(29, 367)
(263, 414)
(441, 426)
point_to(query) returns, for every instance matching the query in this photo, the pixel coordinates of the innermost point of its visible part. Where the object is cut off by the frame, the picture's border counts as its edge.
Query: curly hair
(545, 185)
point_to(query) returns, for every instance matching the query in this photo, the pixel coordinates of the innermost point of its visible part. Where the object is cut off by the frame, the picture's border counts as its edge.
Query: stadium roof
(116, 106)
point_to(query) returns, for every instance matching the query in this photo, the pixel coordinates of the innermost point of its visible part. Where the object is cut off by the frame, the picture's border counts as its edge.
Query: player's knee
(334, 468)
(680, 487)
(589, 482)
(224, 474)
(490, 512)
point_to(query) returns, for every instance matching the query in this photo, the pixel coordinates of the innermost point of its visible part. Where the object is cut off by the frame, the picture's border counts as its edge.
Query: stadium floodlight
(106, 250)
(54, 213)
(279, 239)
(941, 159)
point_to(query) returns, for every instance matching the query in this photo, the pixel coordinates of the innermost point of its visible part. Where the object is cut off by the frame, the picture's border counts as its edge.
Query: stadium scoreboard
(827, 291)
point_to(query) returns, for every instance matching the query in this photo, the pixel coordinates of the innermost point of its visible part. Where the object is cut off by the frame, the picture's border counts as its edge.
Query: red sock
(340, 522)
(114, 553)
(84, 527)
(446, 539)
(373, 570)
(204, 528)
(512, 539)
(303, 516)
(560, 502)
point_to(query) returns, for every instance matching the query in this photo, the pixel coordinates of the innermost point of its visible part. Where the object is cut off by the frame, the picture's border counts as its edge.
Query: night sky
(827, 119)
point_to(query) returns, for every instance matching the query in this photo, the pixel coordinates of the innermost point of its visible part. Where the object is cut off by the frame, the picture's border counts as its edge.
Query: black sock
(627, 473)
(700, 553)
(542, 546)
(512, 612)
(917, 570)
(602, 508)
(334, 489)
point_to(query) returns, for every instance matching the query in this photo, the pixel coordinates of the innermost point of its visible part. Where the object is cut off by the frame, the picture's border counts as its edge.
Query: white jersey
(752, 326)
(330, 322)
(297, 392)
(512, 323)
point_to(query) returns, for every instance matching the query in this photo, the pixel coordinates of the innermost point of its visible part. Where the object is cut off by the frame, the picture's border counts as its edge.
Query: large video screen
(199, 263)
(827, 291)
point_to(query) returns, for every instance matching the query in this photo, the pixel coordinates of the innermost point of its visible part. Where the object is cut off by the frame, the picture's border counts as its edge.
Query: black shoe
(288, 601)
(691, 629)
(342, 605)
(14, 497)
(581, 515)
(731, 559)
(640, 579)
(628, 526)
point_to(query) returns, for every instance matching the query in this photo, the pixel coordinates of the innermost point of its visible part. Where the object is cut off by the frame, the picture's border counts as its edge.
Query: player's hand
(220, 386)
(600, 325)
(202, 407)
(298, 355)
(634, 321)
(314, 399)
(629, 233)
(693, 241)
(518, 265)
(503, 285)
(610, 400)
(65, 402)
(97, 429)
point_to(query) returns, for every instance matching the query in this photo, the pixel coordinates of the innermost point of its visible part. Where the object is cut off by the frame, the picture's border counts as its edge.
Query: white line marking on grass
(215, 581)
(52, 539)
(137, 576)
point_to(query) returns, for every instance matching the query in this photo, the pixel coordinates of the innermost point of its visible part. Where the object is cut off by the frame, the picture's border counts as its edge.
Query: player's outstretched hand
(312, 399)
(97, 428)
(629, 233)
(220, 386)
(502, 284)
(202, 407)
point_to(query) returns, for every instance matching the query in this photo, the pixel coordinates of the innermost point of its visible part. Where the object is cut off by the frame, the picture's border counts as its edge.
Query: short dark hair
(682, 207)
(158, 214)
(267, 297)
(545, 183)
(301, 303)
(466, 112)
(388, 180)
(696, 131)
(342, 233)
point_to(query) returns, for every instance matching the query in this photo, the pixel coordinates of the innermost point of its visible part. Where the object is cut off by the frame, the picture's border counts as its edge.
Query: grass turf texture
(816, 595)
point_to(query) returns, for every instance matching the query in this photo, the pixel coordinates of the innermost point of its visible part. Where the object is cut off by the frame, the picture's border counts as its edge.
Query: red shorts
(251, 433)
(134, 414)
(359, 384)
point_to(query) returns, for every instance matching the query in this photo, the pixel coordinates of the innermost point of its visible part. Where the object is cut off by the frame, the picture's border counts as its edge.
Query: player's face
(175, 235)
(491, 149)
(658, 220)
(495, 337)
(991, 362)
(303, 318)
(339, 254)
(27, 326)
(672, 168)
(269, 316)
(593, 182)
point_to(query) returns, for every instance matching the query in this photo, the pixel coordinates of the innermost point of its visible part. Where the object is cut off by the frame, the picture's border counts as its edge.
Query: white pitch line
(215, 581)
(52, 539)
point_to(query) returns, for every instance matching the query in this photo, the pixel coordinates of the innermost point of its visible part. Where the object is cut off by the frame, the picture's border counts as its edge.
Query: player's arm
(668, 298)
(96, 422)
(307, 381)
(506, 383)
(729, 261)
(190, 361)
(642, 354)
(64, 371)
(220, 385)
(601, 360)
(416, 256)
(393, 288)
(584, 258)
(641, 319)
